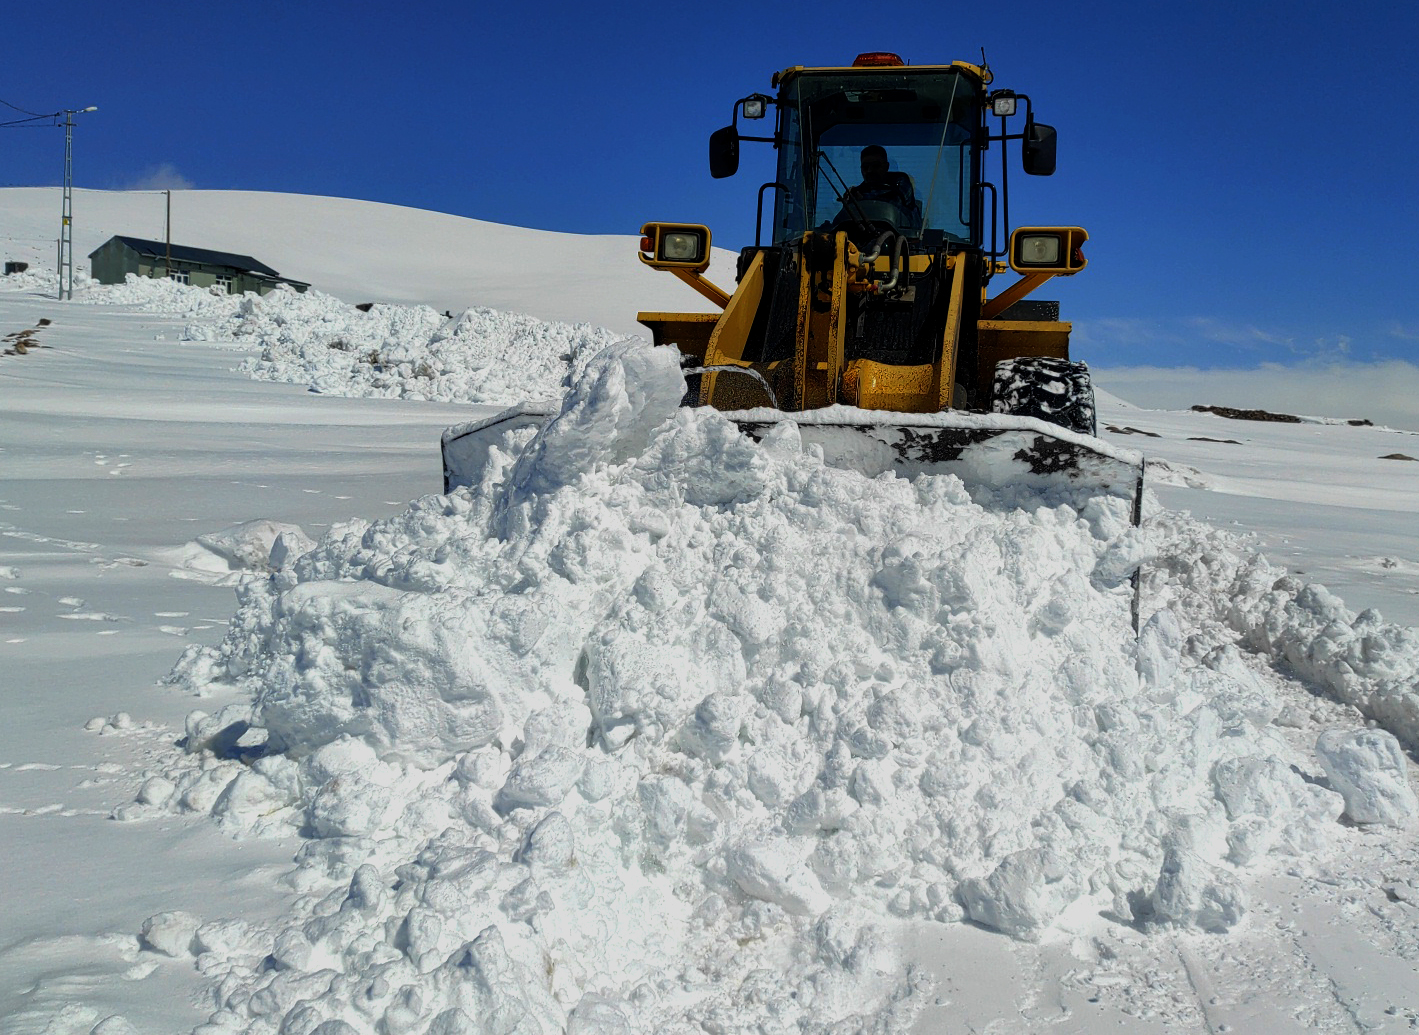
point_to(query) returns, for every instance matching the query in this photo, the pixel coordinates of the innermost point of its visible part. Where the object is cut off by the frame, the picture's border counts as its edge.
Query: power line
(23, 111)
(37, 118)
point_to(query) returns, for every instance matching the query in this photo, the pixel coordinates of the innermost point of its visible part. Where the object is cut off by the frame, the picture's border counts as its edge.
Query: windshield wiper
(845, 198)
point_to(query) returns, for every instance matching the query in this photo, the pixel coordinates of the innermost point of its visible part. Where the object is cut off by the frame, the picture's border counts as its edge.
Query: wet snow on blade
(658, 729)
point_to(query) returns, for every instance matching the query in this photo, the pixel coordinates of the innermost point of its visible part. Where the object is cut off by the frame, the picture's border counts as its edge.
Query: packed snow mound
(385, 351)
(657, 729)
(258, 545)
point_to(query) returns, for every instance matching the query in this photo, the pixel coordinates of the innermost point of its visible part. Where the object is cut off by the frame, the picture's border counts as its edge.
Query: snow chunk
(171, 933)
(773, 870)
(540, 780)
(260, 545)
(1024, 893)
(1191, 894)
(419, 696)
(1369, 769)
(625, 393)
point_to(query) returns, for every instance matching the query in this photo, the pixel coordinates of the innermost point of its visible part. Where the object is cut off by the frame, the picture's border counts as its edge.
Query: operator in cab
(880, 183)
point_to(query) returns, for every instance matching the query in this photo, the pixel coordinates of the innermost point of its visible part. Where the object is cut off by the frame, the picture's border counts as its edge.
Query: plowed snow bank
(390, 351)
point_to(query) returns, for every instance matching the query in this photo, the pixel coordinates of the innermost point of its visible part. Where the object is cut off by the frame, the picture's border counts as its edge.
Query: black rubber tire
(1054, 390)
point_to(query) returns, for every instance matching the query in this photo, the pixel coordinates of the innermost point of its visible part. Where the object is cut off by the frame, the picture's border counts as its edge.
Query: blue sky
(1246, 174)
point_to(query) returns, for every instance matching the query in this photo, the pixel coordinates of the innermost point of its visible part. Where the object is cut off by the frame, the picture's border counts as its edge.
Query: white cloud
(1206, 340)
(1385, 392)
(160, 177)
(1182, 335)
(1241, 335)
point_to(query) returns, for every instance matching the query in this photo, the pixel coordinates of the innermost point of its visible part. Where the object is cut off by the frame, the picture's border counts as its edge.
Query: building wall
(198, 274)
(111, 264)
(114, 260)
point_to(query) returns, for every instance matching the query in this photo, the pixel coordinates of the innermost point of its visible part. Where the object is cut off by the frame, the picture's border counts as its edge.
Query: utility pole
(167, 229)
(66, 226)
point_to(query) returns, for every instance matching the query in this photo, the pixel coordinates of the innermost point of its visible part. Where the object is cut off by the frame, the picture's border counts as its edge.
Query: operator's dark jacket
(895, 187)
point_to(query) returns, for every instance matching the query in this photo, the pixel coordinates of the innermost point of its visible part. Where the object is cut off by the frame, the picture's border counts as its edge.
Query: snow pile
(1229, 594)
(43, 280)
(32, 279)
(659, 729)
(413, 352)
(388, 351)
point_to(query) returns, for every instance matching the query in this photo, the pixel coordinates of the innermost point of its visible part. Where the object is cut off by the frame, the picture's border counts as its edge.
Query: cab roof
(981, 73)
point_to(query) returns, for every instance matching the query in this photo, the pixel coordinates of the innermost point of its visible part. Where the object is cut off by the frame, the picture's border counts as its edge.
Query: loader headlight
(681, 246)
(754, 106)
(1058, 250)
(1039, 250)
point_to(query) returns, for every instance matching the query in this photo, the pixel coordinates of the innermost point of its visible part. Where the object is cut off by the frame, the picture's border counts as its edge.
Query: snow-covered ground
(658, 730)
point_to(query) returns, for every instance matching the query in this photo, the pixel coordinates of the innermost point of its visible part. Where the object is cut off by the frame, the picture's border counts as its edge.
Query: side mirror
(1038, 149)
(724, 152)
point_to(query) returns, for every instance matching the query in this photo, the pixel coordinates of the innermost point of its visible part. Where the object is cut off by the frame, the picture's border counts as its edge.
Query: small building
(119, 256)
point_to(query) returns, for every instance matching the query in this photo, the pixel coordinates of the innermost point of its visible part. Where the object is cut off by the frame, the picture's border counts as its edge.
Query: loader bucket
(982, 449)
(466, 446)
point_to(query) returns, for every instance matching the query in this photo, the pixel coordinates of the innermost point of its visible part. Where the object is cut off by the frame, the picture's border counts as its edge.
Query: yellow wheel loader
(866, 316)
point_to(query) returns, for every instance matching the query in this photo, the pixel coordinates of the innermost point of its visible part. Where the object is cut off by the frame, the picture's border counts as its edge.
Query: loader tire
(1054, 390)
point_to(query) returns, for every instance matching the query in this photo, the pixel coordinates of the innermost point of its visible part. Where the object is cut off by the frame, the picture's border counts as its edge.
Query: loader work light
(1040, 250)
(681, 247)
(1002, 103)
(1058, 250)
(675, 246)
(754, 106)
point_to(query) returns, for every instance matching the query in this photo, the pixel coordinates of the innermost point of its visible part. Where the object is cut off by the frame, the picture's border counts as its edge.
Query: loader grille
(898, 332)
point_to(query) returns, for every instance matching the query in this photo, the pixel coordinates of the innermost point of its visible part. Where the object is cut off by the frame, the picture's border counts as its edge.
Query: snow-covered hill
(363, 251)
(689, 735)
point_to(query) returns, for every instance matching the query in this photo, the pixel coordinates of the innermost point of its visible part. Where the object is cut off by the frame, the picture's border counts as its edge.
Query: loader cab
(926, 122)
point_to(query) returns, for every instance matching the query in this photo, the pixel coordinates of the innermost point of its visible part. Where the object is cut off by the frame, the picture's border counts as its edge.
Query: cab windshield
(924, 122)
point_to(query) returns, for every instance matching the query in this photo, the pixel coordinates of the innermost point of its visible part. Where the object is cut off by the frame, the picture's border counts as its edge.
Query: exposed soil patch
(17, 343)
(1130, 431)
(1279, 418)
(1398, 456)
(1204, 438)
(1234, 414)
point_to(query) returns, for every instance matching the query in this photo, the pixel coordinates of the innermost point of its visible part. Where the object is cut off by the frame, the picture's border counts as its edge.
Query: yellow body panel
(731, 332)
(690, 332)
(821, 306)
(1007, 339)
(884, 386)
(946, 376)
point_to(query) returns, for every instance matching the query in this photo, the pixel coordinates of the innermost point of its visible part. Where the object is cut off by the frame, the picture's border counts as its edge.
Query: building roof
(182, 253)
